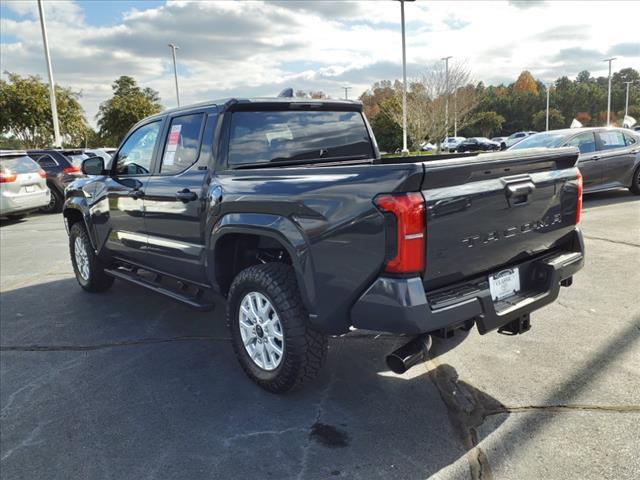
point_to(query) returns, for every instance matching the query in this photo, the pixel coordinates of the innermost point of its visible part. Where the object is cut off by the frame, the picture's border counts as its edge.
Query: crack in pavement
(618, 242)
(468, 408)
(100, 346)
(567, 407)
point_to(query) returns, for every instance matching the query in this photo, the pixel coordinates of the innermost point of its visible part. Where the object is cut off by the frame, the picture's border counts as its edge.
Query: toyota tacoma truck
(285, 208)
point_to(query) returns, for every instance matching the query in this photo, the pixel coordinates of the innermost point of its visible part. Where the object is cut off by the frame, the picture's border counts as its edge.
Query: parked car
(516, 137)
(502, 141)
(62, 167)
(609, 157)
(428, 147)
(285, 207)
(450, 144)
(23, 185)
(477, 144)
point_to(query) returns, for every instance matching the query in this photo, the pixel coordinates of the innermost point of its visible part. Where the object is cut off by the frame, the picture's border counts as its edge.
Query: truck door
(175, 200)
(119, 218)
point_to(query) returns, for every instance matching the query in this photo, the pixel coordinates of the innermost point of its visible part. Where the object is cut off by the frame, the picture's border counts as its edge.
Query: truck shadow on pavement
(128, 384)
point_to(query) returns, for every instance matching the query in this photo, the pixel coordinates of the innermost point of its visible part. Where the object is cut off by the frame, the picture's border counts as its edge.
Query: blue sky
(258, 48)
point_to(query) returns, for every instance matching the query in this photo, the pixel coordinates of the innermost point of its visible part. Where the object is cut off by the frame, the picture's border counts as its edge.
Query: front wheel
(88, 268)
(270, 337)
(635, 182)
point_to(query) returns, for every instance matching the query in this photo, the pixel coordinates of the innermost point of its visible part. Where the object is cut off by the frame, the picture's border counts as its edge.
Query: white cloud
(257, 48)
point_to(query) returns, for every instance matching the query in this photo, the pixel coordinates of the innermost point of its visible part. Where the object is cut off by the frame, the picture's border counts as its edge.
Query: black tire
(304, 349)
(635, 182)
(56, 203)
(96, 280)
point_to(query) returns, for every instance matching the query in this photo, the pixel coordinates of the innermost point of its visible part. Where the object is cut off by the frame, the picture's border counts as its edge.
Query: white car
(23, 185)
(450, 144)
(428, 147)
(516, 137)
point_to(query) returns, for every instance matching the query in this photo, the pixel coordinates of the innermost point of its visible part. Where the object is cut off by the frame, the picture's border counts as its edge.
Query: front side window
(135, 156)
(182, 143)
(585, 142)
(611, 139)
(273, 136)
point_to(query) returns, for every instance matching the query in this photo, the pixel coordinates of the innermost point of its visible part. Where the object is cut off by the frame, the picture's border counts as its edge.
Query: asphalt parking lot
(130, 385)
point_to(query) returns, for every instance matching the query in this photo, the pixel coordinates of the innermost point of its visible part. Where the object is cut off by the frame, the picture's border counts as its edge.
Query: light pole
(52, 90)
(455, 113)
(609, 93)
(548, 91)
(405, 150)
(173, 48)
(346, 89)
(446, 95)
(626, 102)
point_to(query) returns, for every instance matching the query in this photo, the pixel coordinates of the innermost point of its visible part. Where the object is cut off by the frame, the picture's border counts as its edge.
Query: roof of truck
(231, 101)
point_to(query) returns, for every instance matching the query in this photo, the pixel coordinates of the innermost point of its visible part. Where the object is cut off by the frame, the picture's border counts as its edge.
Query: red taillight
(72, 170)
(579, 201)
(42, 173)
(7, 176)
(408, 209)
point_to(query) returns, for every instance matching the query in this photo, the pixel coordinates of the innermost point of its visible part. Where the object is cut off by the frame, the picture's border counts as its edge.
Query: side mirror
(93, 166)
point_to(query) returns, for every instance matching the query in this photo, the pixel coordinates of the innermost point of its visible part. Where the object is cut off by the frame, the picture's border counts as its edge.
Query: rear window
(261, 137)
(19, 165)
(611, 139)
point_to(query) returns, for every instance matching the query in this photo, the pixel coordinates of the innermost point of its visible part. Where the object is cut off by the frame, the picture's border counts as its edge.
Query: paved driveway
(129, 385)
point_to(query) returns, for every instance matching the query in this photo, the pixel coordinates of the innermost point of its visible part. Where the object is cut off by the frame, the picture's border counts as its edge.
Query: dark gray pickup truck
(286, 208)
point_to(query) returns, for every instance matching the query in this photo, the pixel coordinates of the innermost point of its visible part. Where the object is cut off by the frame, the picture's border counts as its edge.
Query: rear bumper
(25, 202)
(400, 305)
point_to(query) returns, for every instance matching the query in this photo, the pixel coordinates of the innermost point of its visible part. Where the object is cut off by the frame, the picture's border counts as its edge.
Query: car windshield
(19, 165)
(548, 140)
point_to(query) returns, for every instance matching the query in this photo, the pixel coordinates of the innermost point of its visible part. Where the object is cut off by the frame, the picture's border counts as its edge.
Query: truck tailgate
(492, 210)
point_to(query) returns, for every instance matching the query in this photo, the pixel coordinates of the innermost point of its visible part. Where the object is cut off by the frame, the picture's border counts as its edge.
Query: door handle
(186, 195)
(137, 194)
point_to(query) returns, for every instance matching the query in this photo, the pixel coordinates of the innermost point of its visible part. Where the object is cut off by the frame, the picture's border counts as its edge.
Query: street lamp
(626, 103)
(52, 90)
(548, 91)
(173, 48)
(609, 93)
(405, 150)
(446, 95)
(346, 89)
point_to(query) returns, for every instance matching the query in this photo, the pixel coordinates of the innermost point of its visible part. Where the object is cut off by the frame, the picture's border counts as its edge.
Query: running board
(194, 301)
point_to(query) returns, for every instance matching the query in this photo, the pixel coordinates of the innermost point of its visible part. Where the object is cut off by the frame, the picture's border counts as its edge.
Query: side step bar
(130, 276)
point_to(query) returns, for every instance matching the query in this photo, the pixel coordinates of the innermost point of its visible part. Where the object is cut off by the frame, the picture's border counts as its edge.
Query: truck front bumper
(401, 305)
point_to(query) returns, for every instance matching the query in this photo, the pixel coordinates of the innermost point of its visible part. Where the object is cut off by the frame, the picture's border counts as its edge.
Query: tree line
(26, 122)
(473, 108)
(479, 110)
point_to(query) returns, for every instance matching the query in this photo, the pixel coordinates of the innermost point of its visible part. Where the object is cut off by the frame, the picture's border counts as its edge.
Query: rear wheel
(56, 201)
(635, 182)
(89, 269)
(271, 340)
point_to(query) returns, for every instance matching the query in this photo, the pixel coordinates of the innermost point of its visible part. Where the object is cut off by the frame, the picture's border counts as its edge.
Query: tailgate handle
(518, 193)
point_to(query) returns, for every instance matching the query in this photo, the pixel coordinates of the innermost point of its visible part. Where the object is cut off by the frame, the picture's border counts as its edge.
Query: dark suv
(62, 167)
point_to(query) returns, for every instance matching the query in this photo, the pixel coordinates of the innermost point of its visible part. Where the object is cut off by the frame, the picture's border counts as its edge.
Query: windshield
(548, 140)
(273, 136)
(76, 159)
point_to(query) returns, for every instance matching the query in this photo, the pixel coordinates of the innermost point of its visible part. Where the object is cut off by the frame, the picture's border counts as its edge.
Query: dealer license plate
(504, 284)
(29, 188)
